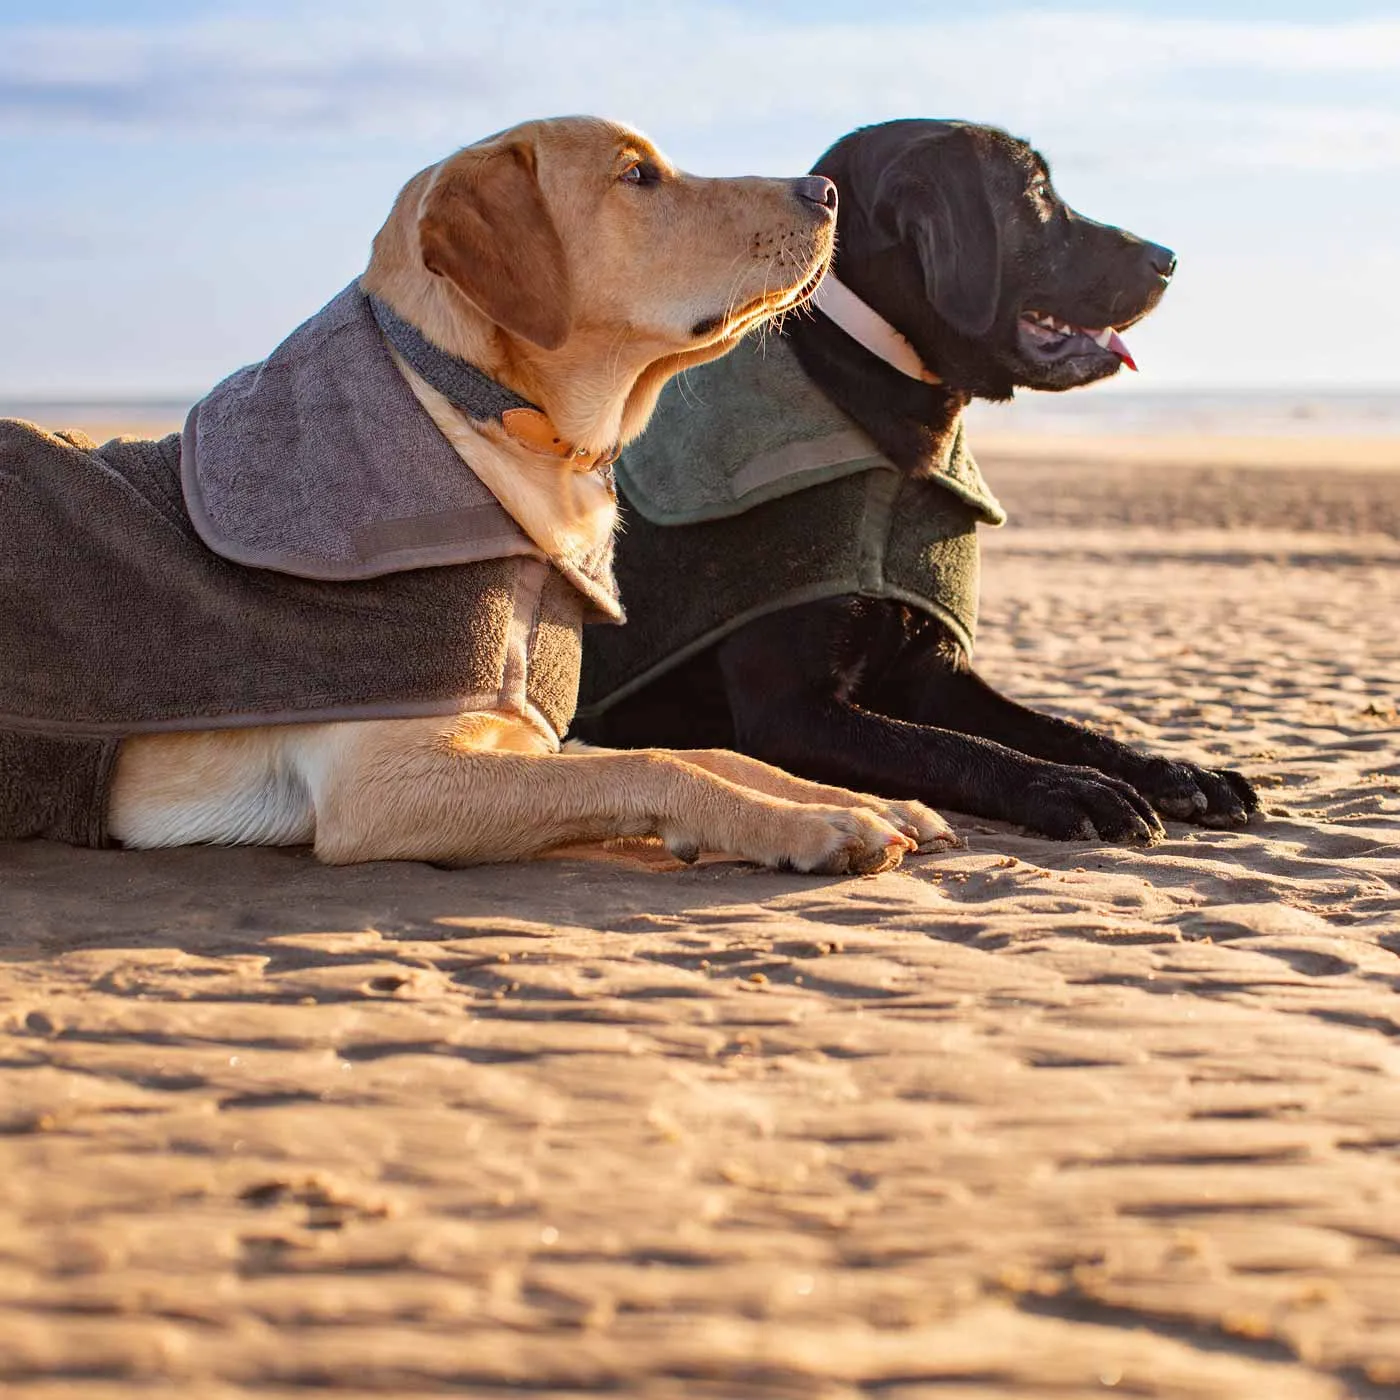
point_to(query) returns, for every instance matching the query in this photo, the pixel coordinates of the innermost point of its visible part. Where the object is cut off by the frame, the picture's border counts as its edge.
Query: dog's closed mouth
(742, 321)
(1050, 338)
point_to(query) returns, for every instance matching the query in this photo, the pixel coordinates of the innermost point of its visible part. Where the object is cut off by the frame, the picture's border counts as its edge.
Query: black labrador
(953, 233)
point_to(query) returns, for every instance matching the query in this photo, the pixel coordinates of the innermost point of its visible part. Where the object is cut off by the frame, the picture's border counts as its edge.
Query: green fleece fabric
(751, 492)
(751, 427)
(116, 618)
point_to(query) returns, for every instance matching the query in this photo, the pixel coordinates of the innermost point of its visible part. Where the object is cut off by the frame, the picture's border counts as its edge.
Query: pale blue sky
(180, 183)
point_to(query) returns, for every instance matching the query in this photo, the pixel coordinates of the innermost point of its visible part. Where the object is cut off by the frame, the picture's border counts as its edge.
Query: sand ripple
(1028, 1120)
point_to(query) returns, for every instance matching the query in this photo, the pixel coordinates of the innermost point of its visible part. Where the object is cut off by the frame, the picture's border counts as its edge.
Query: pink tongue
(1119, 346)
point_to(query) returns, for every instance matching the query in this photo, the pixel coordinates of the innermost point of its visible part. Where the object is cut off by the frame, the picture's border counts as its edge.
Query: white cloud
(1171, 90)
(274, 141)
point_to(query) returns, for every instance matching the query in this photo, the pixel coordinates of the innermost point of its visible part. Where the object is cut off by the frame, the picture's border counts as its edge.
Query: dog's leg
(832, 739)
(930, 686)
(785, 682)
(401, 790)
(921, 823)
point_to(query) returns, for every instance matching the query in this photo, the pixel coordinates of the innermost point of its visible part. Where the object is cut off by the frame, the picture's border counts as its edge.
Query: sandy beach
(1026, 1120)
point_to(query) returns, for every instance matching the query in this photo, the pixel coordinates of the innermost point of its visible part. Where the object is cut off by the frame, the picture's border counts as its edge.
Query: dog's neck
(570, 515)
(478, 396)
(838, 303)
(859, 364)
(569, 511)
(562, 497)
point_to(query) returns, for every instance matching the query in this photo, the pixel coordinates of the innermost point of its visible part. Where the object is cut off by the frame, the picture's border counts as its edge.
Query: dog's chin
(737, 323)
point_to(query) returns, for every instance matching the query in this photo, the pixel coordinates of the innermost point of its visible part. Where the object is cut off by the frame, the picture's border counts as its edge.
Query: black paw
(1215, 797)
(1082, 804)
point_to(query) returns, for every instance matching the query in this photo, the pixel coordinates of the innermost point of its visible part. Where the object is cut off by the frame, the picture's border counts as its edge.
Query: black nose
(1163, 260)
(816, 189)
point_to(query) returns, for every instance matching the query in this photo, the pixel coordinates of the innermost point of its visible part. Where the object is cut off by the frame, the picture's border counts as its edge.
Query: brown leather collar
(531, 428)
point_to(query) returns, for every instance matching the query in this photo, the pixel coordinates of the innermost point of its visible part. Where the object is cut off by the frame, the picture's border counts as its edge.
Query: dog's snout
(816, 189)
(1162, 260)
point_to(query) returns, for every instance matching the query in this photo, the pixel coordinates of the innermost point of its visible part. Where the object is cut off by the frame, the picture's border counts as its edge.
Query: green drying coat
(751, 492)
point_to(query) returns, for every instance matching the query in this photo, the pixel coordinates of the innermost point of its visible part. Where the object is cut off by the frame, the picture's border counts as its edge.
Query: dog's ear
(934, 197)
(484, 225)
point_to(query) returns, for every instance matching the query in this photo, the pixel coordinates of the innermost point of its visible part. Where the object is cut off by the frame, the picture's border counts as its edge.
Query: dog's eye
(1041, 189)
(643, 172)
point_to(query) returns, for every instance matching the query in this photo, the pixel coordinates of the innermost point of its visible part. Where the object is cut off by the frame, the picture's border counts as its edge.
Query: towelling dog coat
(310, 549)
(751, 492)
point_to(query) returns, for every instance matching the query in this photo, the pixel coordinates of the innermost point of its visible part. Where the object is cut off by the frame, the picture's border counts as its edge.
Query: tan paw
(923, 824)
(840, 841)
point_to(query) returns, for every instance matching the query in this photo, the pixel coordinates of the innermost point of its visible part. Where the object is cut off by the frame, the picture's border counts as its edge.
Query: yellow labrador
(571, 263)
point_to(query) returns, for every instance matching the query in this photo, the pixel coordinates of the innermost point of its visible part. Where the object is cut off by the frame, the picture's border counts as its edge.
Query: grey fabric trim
(768, 468)
(387, 709)
(772, 490)
(530, 580)
(534, 716)
(463, 385)
(874, 529)
(607, 607)
(97, 834)
(792, 599)
(416, 535)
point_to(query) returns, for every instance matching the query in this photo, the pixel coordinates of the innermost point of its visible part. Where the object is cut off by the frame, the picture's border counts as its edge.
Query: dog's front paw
(839, 841)
(1082, 804)
(1188, 793)
(921, 824)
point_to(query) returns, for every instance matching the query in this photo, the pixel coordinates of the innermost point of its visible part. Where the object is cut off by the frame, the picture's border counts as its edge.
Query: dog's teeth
(1101, 338)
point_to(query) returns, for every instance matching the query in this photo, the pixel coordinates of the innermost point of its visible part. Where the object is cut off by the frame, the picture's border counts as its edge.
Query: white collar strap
(838, 303)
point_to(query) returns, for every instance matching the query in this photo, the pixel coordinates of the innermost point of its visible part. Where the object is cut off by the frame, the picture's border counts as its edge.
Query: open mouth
(1049, 338)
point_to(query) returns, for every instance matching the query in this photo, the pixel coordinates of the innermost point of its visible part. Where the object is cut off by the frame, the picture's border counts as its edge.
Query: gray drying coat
(751, 492)
(311, 549)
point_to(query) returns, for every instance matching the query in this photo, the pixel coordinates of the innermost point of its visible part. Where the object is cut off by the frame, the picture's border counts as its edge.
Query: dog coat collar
(839, 304)
(479, 396)
(751, 427)
(320, 462)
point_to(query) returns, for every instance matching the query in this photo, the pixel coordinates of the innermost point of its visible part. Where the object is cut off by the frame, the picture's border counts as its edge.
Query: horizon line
(129, 398)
